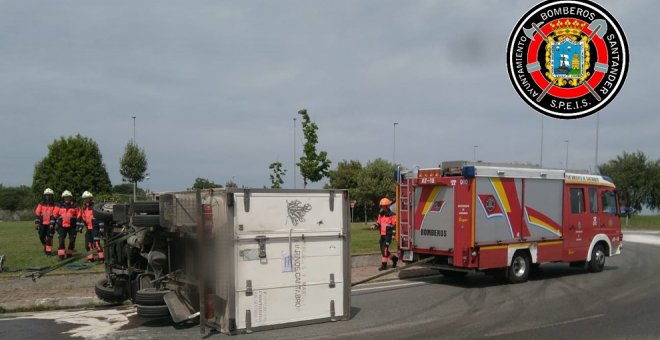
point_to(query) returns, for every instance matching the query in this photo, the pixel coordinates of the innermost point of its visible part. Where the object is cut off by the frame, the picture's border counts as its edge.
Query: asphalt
(76, 290)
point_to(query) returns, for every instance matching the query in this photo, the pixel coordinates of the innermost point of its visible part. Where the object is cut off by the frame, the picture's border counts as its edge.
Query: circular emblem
(490, 204)
(567, 59)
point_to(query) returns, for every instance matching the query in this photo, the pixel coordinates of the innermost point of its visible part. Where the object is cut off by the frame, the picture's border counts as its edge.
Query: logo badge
(567, 59)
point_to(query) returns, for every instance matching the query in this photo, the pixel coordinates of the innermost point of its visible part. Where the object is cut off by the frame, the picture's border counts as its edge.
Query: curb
(50, 304)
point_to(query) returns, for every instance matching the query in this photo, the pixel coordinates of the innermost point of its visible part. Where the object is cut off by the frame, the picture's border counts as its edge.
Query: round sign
(567, 59)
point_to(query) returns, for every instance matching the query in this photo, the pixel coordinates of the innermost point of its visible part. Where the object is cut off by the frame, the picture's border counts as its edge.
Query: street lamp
(147, 178)
(475, 152)
(541, 140)
(597, 127)
(294, 153)
(394, 145)
(566, 163)
(134, 141)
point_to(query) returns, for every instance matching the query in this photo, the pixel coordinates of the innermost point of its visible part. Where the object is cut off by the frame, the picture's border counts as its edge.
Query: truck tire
(150, 297)
(153, 311)
(146, 207)
(106, 293)
(146, 220)
(103, 211)
(597, 262)
(518, 271)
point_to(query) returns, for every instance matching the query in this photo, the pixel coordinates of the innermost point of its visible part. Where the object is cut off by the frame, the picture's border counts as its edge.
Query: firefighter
(92, 236)
(67, 216)
(385, 224)
(45, 221)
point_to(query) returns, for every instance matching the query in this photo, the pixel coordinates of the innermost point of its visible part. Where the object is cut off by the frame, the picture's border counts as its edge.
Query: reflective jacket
(384, 219)
(87, 215)
(69, 213)
(45, 210)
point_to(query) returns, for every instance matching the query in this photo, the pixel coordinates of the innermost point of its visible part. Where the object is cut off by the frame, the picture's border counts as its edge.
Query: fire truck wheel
(153, 311)
(106, 293)
(518, 271)
(150, 297)
(597, 262)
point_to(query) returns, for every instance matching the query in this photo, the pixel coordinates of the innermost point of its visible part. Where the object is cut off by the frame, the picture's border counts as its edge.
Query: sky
(215, 86)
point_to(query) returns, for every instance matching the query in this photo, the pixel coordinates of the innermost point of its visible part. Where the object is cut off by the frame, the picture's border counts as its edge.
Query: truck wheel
(146, 207)
(153, 311)
(518, 271)
(150, 297)
(597, 262)
(146, 220)
(103, 210)
(106, 293)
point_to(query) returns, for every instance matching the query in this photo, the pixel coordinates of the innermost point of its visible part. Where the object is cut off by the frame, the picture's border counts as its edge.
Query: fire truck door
(579, 221)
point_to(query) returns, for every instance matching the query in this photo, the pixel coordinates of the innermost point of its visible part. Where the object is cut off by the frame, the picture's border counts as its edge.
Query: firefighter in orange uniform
(67, 217)
(92, 236)
(45, 221)
(385, 224)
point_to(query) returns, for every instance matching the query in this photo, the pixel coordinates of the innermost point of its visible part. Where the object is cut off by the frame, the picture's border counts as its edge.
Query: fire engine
(506, 219)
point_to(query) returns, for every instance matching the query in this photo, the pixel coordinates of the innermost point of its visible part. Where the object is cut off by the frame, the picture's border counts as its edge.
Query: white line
(390, 286)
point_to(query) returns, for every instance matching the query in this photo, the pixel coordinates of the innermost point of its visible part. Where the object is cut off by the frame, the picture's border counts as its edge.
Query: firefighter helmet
(66, 193)
(49, 191)
(87, 194)
(385, 202)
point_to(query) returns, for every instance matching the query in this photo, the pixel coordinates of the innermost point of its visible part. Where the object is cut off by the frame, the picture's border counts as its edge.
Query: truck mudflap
(180, 308)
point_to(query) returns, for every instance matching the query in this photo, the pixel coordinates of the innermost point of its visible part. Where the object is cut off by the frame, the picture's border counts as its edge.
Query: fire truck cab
(506, 219)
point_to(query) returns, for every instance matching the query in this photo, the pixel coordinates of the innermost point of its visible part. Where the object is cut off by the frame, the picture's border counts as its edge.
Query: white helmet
(66, 193)
(87, 194)
(49, 191)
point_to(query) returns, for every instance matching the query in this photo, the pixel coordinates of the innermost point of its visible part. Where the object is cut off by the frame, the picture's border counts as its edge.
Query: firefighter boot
(383, 266)
(395, 259)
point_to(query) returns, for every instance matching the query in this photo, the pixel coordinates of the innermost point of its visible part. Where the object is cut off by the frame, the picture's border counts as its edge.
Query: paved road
(623, 302)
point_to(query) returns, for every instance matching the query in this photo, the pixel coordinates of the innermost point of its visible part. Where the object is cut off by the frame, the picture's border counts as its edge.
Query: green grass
(650, 222)
(364, 240)
(20, 244)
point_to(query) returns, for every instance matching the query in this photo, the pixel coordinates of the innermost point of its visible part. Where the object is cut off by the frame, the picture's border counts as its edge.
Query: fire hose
(35, 275)
(394, 270)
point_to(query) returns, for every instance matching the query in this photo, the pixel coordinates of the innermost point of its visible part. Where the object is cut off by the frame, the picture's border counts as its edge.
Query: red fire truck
(506, 219)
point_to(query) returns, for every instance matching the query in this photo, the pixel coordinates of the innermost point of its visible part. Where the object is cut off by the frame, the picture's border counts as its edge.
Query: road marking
(409, 284)
(560, 323)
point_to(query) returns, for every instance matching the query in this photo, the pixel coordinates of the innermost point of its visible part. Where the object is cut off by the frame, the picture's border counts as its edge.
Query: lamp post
(541, 140)
(566, 163)
(134, 183)
(294, 152)
(597, 127)
(394, 145)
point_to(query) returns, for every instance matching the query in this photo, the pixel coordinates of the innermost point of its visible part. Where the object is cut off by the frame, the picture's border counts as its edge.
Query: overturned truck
(237, 260)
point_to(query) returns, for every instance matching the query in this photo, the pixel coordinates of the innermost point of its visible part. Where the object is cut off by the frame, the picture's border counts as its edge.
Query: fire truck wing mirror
(469, 172)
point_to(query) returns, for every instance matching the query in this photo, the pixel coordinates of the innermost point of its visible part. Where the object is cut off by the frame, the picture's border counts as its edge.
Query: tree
(345, 176)
(16, 198)
(133, 165)
(203, 183)
(375, 181)
(126, 189)
(74, 164)
(277, 177)
(313, 166)
(231, 184)
(633, 175)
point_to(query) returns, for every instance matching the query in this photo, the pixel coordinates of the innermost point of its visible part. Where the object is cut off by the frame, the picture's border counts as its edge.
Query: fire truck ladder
(405, 221)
